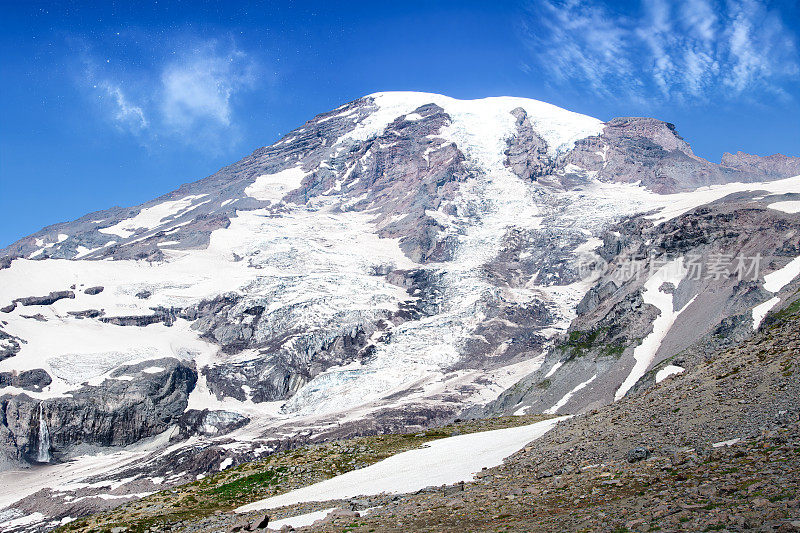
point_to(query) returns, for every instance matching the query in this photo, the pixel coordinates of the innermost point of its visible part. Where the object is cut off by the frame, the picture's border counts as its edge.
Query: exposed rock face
(773, 165)
(50, 299)
(87, 313)
(166, 316)
(34, 380)
(116, 413)
(646, 150)
(209, 423)
(527, 152)
(405, 172)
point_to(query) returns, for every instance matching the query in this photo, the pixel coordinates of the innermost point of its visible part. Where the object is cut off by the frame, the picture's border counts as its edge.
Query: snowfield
(152, 217)
(440, 462)
(273, 187)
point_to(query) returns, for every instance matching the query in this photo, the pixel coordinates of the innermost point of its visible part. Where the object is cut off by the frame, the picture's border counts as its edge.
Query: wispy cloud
(123, 112)
(664, 49)
(590, 42)
(199, 86)
(188, 97)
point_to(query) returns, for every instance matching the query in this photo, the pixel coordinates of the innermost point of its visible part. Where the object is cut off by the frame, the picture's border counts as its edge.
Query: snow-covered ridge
(486, 119)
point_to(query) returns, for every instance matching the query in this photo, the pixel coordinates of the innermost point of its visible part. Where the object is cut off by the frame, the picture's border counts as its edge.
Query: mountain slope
(395, 263)
(714, 447)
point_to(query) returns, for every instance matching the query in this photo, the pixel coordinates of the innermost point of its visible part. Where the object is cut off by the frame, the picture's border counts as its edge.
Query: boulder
(637, 454)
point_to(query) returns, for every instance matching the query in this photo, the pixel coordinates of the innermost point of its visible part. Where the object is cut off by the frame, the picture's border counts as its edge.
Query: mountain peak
(404, 258)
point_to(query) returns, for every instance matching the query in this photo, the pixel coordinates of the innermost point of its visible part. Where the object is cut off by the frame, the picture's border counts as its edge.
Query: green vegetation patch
(246, 485)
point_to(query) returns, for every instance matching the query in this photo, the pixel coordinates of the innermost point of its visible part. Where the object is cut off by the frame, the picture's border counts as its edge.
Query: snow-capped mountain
(402, 260)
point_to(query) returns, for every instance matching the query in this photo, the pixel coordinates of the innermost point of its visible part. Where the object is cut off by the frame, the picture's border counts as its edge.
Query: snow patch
(644, 354)
(761, 310)
(791, 206)
(444, 462)
(674, 205)
(777, 280)
(558, 127)
(273, 187)
(667, 371)
(152, 217)
(554, 369)
(302, 520)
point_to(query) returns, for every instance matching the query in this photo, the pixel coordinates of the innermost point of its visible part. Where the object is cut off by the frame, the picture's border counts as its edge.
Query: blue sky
(115, 103)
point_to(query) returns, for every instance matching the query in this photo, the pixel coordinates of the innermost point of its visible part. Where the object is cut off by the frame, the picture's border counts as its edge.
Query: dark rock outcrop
(9, 345)
(118, 412)
(526, 154)
(34, 380)
(209, 423)
(50, 299)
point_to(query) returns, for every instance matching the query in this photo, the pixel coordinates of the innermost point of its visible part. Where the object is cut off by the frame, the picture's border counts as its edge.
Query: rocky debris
(50, 299)
(8, 308)
(736, 488)
(87, 313)
(251, 525)
(144, 295)
(34, 380)
(206, 422)
(94, 290)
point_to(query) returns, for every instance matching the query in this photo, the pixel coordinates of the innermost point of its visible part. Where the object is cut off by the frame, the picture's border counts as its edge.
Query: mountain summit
(399, 262)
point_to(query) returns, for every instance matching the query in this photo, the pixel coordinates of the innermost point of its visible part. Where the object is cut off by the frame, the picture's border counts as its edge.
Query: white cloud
(760, 47)
(670, 49)
(198, 88)
(189, 98)
(587, 39)
(700, 20)
(125, 113)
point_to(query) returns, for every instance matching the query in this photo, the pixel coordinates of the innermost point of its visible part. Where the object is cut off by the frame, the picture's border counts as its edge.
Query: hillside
(396, 264)
(717, 447)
